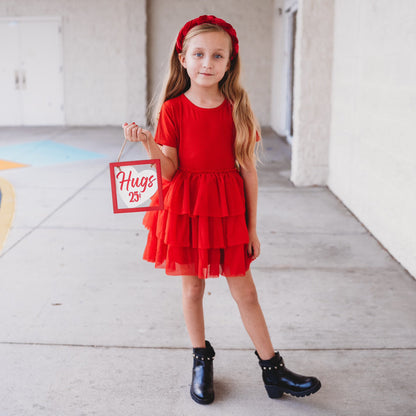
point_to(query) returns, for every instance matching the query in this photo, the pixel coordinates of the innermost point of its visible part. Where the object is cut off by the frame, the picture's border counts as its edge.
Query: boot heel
(273, 391)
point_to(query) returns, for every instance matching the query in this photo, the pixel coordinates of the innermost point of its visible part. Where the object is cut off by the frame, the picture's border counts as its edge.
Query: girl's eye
(198, 54)
(218, 56)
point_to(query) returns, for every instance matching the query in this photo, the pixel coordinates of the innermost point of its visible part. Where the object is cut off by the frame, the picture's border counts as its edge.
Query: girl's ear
(182, 59)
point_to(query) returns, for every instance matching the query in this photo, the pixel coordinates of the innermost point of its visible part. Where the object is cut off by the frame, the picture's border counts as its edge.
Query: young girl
(205, 139)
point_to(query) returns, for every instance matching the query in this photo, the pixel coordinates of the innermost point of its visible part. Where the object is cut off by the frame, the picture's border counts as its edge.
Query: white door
(31, 77)
(10, 107)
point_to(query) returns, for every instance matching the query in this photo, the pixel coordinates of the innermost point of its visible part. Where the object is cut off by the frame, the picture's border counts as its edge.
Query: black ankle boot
(202, 387)
(278, 379)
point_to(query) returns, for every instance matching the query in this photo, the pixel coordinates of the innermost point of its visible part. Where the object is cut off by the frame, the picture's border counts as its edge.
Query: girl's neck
(205, 97)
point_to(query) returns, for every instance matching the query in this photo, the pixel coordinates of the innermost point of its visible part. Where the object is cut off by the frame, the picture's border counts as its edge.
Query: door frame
(291, 7)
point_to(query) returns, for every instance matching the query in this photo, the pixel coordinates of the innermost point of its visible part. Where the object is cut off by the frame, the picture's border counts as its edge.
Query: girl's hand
(134, 133)
(253, 245)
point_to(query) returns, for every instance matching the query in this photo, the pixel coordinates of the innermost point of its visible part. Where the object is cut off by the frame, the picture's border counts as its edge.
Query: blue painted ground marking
(45, 152)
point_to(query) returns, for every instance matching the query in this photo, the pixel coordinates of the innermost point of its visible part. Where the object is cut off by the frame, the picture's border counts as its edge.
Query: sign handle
(121, 150)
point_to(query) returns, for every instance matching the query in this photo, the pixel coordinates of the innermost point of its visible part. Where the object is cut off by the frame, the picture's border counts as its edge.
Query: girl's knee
(245, 295)
(193, 290)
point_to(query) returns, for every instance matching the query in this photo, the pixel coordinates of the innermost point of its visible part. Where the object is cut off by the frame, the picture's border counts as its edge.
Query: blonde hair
(177, 82)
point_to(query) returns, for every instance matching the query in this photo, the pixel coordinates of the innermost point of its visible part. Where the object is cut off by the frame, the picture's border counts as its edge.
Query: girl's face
(207, 58)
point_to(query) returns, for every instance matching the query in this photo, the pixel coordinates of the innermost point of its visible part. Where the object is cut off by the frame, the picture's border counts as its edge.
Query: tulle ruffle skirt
(202, 229)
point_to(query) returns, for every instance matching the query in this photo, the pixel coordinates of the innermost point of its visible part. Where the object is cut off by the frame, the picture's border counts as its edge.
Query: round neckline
(204, 108)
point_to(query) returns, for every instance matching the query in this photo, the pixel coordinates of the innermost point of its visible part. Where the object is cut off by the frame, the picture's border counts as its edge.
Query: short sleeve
(167, 132)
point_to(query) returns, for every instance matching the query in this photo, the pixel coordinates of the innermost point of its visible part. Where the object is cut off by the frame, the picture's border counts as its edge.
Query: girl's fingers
(130, 131)
(142, 134)
(126, 131)
(253, 250)
(134, 133)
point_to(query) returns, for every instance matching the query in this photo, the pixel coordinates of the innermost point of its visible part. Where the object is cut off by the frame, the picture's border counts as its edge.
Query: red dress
(202, 229)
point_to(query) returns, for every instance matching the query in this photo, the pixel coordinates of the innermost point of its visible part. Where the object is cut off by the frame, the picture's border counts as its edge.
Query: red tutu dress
(202, 229)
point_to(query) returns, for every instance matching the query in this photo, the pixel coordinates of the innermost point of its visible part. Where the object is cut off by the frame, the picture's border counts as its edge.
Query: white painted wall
(253, 21)
(104, 55)
(372, 159)
(312, 92)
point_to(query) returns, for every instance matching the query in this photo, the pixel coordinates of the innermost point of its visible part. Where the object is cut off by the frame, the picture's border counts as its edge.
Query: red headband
(208, 19)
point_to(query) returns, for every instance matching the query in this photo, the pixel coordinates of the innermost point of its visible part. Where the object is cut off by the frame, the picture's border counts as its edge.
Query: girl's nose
(207, 62)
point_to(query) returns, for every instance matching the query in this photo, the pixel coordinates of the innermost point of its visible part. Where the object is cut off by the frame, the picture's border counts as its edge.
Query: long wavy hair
(177, 82)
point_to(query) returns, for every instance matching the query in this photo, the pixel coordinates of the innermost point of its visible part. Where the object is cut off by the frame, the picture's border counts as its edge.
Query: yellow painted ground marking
(6, 209)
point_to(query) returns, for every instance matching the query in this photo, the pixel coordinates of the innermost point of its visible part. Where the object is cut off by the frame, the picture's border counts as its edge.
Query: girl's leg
(244, 292)
(192, 302)
(277, 378)
(202, 385)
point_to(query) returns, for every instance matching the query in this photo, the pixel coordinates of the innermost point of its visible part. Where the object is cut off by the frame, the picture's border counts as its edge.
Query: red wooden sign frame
(153, 163)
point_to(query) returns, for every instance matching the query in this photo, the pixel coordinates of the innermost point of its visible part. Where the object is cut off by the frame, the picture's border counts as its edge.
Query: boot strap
(202, 357)
(274, 364)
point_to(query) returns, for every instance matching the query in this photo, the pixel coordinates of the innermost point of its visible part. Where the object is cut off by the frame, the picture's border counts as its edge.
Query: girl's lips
(204, 73)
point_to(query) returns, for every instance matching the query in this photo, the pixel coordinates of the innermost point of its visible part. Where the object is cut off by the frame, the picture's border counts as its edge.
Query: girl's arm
(167, 155)
(249, 175)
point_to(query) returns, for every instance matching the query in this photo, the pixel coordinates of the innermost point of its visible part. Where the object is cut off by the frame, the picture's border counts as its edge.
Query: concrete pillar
(312, 92)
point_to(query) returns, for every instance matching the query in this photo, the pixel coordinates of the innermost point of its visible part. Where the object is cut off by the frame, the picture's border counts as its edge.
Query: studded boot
(202, 387)
(278, 379)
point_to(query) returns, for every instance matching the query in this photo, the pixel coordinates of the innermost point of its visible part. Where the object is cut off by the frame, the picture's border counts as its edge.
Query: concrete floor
(87, 328)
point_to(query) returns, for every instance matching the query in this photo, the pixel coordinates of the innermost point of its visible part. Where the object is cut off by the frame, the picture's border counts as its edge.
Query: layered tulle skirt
(202, 229)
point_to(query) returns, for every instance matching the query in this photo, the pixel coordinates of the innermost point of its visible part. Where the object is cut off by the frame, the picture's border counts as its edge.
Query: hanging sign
(136, 186)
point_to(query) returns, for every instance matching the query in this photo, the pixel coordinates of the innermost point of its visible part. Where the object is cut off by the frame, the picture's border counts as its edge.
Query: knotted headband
(208, 19)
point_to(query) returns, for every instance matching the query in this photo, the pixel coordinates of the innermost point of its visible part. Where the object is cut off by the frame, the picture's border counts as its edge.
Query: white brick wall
(372, 159)
(104, 56)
